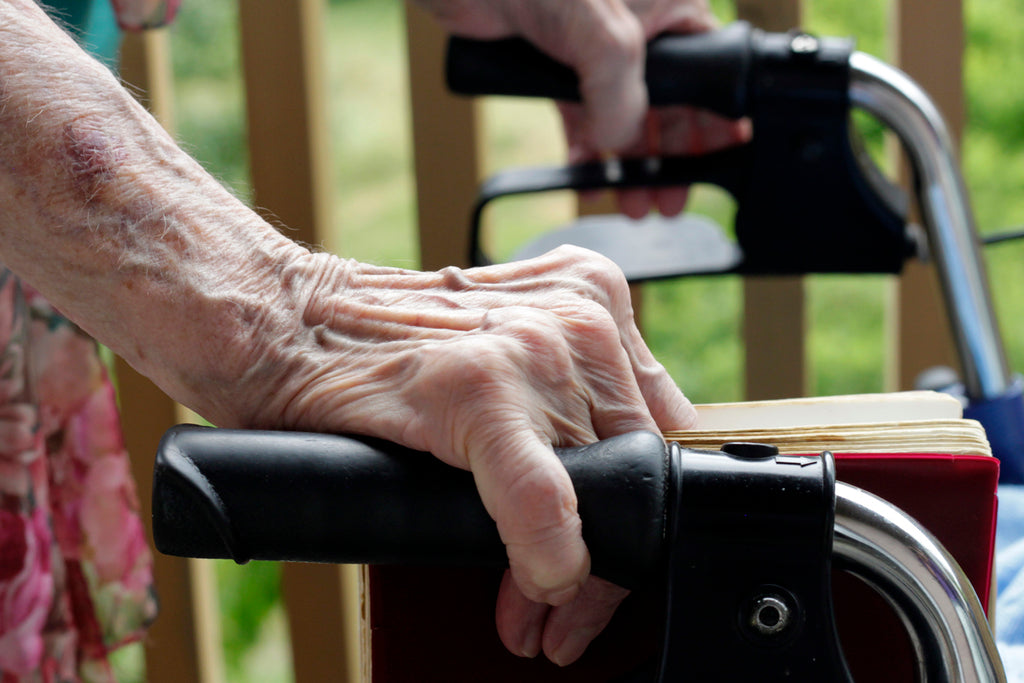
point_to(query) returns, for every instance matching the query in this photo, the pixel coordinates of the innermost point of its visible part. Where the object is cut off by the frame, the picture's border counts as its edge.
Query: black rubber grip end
(264, 495)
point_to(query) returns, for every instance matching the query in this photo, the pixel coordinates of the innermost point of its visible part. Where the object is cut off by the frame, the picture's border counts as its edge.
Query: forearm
(101, 211)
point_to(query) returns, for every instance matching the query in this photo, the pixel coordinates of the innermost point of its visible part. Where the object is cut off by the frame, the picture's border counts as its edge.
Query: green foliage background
(692, 325)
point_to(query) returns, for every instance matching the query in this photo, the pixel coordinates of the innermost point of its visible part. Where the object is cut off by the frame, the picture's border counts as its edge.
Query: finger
(617, 405)
(678, 133)
(716, 132)
(661, 397)
(507, 393)
(624, 417)
(672, 200)
(642, 396)
(691, 131)
(603, 42)
(570, 628)
(578, 149)
(675, 138)
(529, 495)
(573, 126)
(667, 404)
(637, 202)
(520, 621)
(606, 49)
(692, 16)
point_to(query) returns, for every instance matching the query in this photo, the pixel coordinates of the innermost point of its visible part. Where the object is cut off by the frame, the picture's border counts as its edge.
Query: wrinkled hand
(604, 42)
(488, 369)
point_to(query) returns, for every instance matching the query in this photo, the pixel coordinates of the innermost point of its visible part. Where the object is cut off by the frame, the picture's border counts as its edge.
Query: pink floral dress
(75, 569)
(76, 576)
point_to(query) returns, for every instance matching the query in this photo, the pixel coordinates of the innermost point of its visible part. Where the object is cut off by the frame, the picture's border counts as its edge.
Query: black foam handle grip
(241, 494)
(709, 70)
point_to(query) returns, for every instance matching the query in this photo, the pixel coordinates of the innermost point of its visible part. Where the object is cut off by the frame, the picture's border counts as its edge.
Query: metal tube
(895, 99)
(884, 547)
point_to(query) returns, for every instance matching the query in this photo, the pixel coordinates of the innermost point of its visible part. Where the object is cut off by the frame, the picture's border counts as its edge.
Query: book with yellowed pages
(902, 422)
(913, 449)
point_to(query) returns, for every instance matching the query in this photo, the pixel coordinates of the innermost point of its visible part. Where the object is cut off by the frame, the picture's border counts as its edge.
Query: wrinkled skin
(488, 369)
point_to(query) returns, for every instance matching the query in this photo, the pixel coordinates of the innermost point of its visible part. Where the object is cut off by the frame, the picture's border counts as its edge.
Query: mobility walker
(717, 532)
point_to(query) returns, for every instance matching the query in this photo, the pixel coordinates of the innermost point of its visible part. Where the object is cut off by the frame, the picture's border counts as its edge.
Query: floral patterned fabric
(75, 569)
(137, 15)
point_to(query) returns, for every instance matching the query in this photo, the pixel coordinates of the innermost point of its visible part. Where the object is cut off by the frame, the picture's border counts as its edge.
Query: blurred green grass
(692, 325)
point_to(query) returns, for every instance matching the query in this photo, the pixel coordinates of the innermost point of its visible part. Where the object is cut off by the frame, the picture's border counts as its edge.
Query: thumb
(609, 60)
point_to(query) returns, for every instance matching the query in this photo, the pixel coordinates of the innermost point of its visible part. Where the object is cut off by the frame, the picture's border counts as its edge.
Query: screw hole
(769, 616)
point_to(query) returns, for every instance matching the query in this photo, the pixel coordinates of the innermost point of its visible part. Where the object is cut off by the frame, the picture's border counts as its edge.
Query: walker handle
(264, 495)
(709, 70)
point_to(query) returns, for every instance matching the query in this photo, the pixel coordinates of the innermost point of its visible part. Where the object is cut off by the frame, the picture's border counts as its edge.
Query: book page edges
(829, 410)
(954, 437)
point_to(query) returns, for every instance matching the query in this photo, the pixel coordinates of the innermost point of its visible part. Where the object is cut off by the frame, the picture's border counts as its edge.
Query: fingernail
(532, 639)
(571, 648)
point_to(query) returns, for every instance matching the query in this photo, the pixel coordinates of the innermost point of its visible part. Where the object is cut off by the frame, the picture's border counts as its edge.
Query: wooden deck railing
(281, 45)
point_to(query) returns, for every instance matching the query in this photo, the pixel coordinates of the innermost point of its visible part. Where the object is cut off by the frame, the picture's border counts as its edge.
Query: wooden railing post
(929, 45)
(774, 318)
(289, 168)
(288, 152)
(184, 643)
(445, 131)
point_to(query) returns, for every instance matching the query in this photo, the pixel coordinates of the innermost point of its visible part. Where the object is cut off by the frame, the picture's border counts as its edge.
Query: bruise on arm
(91, 159)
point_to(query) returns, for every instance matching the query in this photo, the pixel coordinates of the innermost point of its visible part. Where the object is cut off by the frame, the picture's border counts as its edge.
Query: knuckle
(602, 276)
(592, 326)
(594, 313)
(598, 269)
(525, 331)
(603, 273)
(482, 364)
(630, 40)
(606, 286)
(573, 254)
(590, 265)
(537, 331)
(454, 279)
(466, 370)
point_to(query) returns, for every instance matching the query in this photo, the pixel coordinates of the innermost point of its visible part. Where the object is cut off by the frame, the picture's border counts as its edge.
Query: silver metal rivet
(804, 44)
(770, 615)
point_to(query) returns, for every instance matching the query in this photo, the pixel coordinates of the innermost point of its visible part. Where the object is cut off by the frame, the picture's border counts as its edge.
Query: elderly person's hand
(488, 369)
(604, 42)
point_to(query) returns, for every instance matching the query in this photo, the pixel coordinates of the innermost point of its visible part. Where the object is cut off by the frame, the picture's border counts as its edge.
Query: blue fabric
(93, 23)
(1009, 615)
